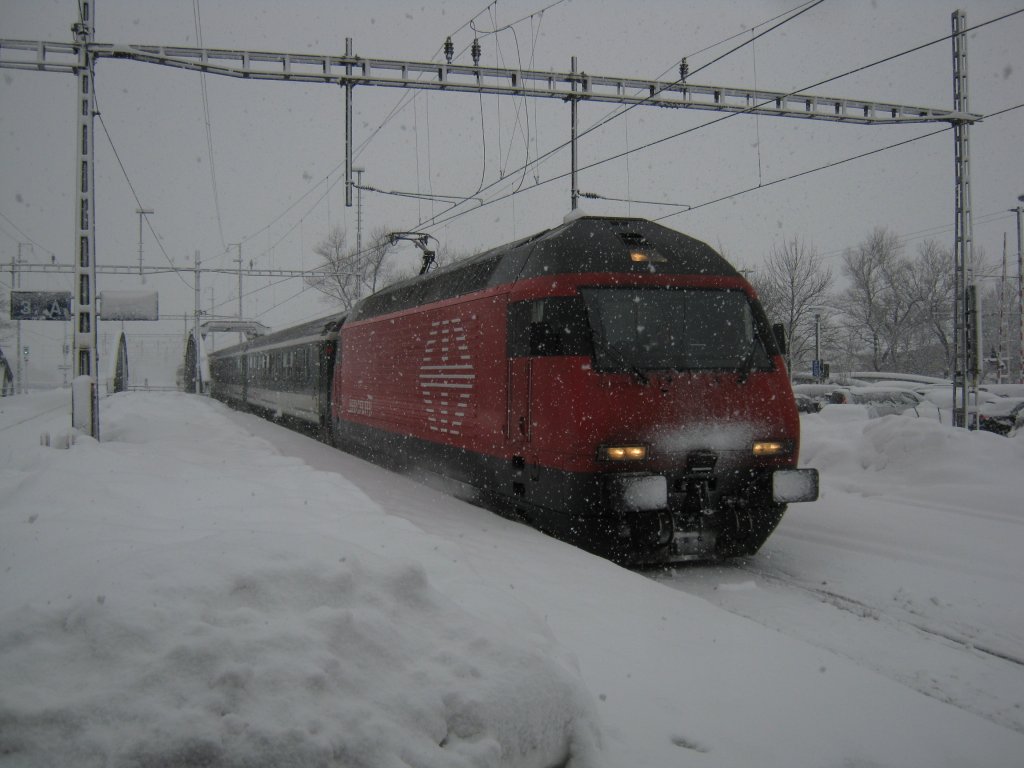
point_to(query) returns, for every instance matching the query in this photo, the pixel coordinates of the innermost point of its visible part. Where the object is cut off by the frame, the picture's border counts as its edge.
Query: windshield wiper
(619, 357)
(747, 365)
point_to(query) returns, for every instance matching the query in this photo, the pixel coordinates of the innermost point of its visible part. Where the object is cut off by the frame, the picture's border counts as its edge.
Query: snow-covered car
(1001, 416)
(877, 401)
(943, 398)
(806, 403)
(818, 394)
(882, 401)
(1004, 390)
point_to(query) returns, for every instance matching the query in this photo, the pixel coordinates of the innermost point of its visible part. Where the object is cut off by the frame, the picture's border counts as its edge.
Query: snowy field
(204, 588)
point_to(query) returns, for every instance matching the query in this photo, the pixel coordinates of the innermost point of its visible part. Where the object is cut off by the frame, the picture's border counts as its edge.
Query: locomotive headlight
(772, 447)
(622, 452)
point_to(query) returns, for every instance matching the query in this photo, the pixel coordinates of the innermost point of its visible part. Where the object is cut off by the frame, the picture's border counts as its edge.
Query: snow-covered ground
(205, 588)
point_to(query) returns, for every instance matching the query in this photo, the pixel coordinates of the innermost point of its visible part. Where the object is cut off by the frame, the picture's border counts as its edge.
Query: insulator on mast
(684, 70)
(449, 49)
(475, 51)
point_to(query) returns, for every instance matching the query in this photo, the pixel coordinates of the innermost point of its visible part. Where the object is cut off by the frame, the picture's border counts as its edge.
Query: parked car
(945, 400)
(806, 403)
(1001, 416)
(877, 400)
(818, 394)
(881, 401)
(1004, 390)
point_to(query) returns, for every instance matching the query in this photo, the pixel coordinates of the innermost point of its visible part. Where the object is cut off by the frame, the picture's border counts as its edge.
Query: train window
(545, 327)
(674, 329)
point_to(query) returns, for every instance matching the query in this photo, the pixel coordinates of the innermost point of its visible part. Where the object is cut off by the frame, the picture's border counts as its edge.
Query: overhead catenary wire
(759, 186)
(827, 166)
(407, 98)
(25, 238)
(503, 158)
(620, 111)
(443, 219)
(728, 39)
(415, 195)
(131, 186)
(400, 105)
(209, 128)
(836, 163)
(624, 110)
(635, 149)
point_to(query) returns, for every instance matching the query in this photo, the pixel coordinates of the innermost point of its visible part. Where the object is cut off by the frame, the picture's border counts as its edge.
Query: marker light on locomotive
(646, 256)
(772, 447)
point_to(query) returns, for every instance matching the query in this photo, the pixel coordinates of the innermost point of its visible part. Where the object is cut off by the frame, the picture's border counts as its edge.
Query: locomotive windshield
(644, 329)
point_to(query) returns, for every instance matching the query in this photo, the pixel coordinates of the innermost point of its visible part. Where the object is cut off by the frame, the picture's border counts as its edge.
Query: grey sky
(278, 148)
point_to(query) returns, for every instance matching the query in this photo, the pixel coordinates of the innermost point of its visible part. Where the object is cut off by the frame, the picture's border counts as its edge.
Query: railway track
(939, 654)
(860, 608)
(32, 417)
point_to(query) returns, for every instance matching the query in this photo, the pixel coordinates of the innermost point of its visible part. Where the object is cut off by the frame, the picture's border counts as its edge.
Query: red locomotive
(611, 381)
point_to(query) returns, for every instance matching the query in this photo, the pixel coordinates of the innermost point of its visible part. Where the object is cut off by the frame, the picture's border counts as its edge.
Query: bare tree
(932, 286)
(346, 276)
(793, 284)
(374, 262)
(880, 305)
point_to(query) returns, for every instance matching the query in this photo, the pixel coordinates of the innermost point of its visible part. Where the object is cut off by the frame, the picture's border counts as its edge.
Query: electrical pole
(817, 346)
(142, 212)
(1019, 210)
(239, 260)
(195, 329)
(574, 193)
(85, 409)
(359, 230)
(1002, 347)
(359, 209)
(965, 317)
(348, 124)
(16, 283)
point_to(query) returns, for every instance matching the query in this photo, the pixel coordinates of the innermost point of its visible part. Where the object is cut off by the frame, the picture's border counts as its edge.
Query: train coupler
(692, 545)
(704, 498)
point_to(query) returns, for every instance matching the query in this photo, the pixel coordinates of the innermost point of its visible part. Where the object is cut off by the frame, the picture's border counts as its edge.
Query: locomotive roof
(598, 244)
(584, 244)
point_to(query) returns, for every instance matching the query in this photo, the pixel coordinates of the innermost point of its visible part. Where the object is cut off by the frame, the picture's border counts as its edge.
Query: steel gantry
(351, 70)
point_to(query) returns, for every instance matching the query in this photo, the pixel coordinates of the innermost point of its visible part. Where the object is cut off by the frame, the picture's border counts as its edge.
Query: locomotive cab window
(547, 327)
(638, 329)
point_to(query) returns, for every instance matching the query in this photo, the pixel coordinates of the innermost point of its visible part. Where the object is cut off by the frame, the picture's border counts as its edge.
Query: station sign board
(129, 305)
(40, 305)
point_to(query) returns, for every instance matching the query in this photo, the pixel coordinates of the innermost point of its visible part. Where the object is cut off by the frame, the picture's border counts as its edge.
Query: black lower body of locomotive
(704, 513)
